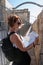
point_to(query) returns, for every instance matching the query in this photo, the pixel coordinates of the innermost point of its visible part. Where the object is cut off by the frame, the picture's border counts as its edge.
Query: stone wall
(2, 14)
(38, 27)
(2, 10)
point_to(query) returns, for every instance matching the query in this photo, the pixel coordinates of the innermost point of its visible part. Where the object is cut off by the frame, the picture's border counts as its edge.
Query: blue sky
(34, 10)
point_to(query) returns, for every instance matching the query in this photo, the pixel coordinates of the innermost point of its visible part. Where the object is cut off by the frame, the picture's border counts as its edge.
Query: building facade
(2, 19)
(2, 5)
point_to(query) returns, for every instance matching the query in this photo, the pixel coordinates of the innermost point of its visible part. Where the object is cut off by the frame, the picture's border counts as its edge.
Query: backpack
(10, 52)
(8, 48)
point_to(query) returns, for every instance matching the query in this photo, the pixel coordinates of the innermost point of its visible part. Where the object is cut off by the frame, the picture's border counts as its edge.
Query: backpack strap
(11, 33)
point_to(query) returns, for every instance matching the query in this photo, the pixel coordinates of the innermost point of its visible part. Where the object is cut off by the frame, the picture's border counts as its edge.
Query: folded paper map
(29, 39)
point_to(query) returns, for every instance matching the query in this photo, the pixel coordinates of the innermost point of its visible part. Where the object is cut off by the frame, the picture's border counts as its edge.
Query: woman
(14, 23)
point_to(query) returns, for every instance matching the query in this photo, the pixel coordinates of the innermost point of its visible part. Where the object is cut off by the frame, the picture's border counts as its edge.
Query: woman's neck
(12, 30)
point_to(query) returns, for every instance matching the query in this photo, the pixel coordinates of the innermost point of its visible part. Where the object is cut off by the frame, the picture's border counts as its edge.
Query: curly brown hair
(13, 19)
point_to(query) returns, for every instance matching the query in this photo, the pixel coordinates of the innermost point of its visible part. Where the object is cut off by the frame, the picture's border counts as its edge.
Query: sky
(34, 10)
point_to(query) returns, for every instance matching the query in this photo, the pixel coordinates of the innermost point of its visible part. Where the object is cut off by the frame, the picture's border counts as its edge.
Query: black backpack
(7, 48)
(10, 52)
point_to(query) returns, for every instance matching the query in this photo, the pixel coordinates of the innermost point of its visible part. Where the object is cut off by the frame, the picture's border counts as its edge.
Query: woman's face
(16, 25)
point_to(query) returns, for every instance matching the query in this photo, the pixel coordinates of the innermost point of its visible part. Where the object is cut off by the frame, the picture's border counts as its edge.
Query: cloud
(34, 12)
(8, 5)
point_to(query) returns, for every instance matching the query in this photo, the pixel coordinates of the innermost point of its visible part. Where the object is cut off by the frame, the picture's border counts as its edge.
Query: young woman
(14, 23)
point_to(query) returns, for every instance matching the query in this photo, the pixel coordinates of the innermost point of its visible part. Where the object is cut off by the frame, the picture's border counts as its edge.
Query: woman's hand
(36, 42)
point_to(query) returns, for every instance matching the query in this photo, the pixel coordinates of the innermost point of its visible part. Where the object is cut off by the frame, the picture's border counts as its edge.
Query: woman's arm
(15, 39)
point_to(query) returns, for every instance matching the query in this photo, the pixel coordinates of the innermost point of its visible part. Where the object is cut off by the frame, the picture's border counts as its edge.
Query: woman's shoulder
(14, 37)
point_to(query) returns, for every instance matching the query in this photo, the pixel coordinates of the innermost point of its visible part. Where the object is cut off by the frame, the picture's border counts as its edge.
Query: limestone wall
(38, 27)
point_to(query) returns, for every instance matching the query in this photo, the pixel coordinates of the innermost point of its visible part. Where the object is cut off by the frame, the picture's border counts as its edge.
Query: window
(0, 23)
(0, 1)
